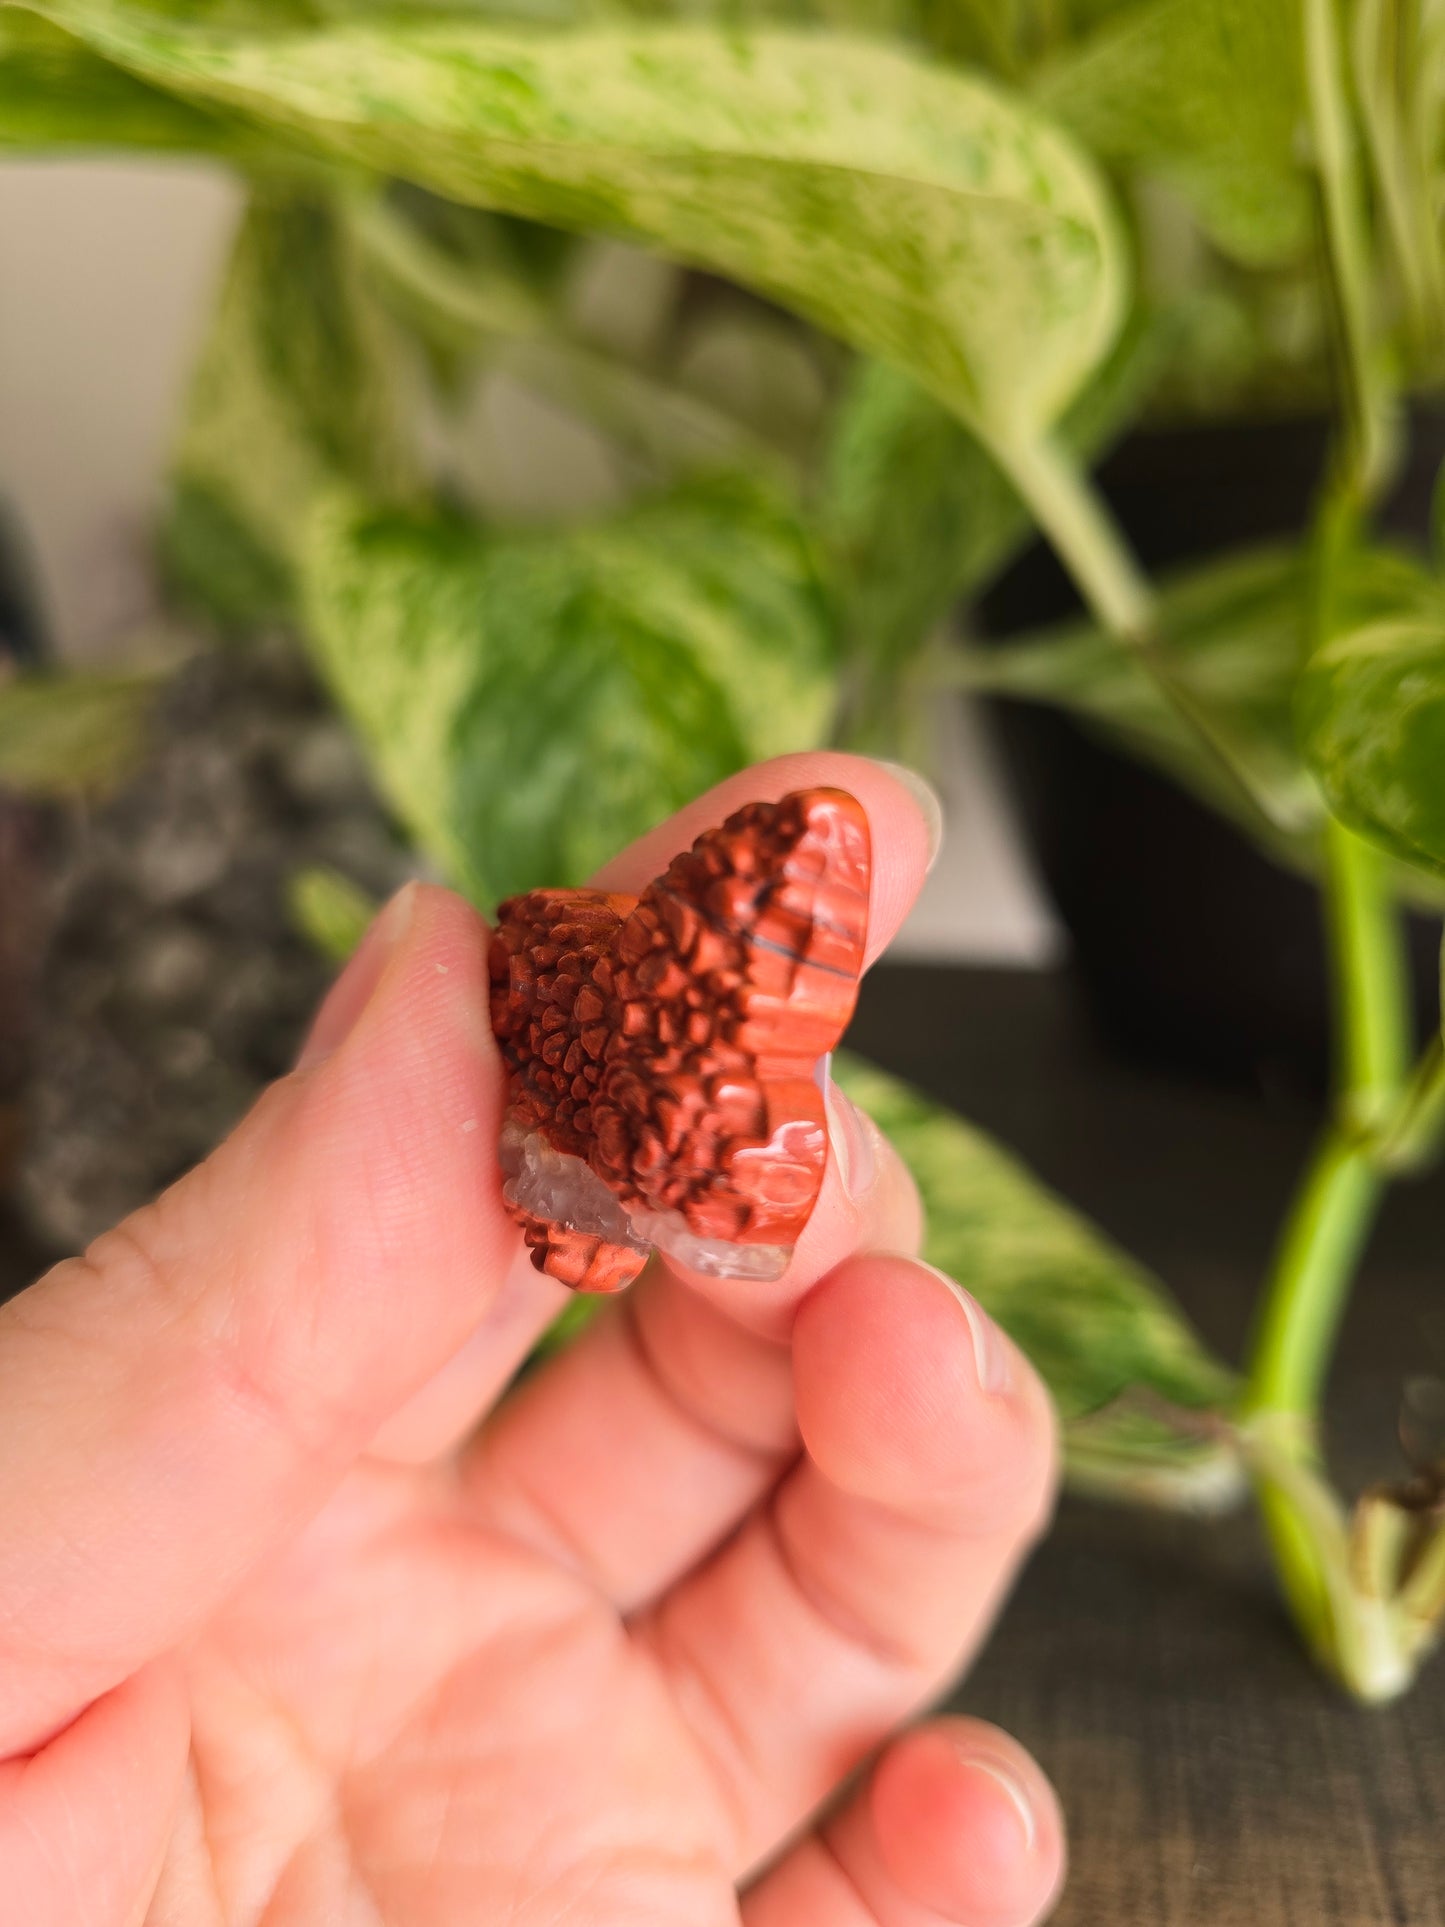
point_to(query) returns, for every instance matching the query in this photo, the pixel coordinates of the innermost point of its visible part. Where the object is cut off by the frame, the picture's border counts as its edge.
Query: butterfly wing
(737, 972)
(671, 1044)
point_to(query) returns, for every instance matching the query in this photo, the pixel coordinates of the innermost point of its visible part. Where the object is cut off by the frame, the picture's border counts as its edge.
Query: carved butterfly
(664, 1051)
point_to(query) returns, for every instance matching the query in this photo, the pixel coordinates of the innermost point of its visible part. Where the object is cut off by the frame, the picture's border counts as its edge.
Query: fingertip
(356, 982)
(929, 804)
(404, 1038)
(423, 925)
(968, 1826)
(909, 1395)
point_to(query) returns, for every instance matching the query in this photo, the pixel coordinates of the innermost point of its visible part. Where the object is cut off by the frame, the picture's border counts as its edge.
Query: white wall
(104, 274)
(105, 270)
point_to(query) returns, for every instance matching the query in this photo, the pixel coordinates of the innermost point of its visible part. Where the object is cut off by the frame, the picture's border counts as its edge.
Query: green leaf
(294, 393)
(72, 735)
(1371, 715)
(56, 93)
(1367, 450)
(915, 509)
(922, 215)
(1398, 68)
(1131, 1380)
(918, 513)
(498, 302)
(1233, 634)
(1208, 95)
(213, 562)
(329, 910)
(534, 701)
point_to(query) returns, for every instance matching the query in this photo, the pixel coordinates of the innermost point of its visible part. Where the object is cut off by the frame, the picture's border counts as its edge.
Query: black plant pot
(1195, 952)
(22, 644)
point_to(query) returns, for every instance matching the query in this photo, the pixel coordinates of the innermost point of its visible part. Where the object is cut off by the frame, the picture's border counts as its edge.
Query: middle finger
(855, 1592)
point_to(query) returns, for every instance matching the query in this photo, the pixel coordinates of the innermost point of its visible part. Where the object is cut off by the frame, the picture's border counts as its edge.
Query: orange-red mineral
(663, 1050)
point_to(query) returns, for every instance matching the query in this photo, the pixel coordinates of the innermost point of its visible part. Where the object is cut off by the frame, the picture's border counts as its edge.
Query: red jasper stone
(669, 1041)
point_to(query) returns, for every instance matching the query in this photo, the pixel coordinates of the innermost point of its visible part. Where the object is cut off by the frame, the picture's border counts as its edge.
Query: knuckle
(132, 1266)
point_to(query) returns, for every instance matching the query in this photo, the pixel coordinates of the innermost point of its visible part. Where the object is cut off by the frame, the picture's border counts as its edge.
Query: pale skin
(302, 1623)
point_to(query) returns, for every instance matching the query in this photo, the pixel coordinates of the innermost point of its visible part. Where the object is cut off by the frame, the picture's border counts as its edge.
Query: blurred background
(110, 271)
(370, 507)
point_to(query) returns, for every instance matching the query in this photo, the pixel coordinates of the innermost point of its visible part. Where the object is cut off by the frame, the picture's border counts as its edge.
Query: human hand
(289, 1635)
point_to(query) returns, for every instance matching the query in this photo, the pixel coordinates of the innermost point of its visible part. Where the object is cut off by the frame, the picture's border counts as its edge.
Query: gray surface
(1211, 1777)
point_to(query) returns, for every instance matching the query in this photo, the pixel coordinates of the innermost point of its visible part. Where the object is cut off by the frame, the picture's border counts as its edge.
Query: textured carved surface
(669, 1042)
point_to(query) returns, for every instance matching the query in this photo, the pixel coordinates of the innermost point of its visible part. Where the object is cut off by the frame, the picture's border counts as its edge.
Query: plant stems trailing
(1413, 1138)
(1070, 512)
(1345, 1589)
(1347, 250)
(1076, 522)
(1308, 1287)
(1371, 1638)
(1370, 977)
(1321, 1245)
(653, 416)
(1368, 1614)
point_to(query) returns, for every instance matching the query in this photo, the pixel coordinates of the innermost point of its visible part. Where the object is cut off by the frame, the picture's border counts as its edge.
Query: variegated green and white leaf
(1210, 96)
(1144, 1405)
(56, 93)
(294, 394)
(532, 702)
(1371, 712)
(916, 212)
(1233, 634)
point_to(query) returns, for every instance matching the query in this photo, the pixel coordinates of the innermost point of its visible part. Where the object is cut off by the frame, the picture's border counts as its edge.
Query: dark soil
(175, 984)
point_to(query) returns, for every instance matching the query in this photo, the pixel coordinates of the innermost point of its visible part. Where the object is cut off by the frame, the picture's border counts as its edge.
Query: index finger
(174, 1401)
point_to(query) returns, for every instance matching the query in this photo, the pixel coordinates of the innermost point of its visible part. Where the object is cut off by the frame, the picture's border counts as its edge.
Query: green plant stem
(1308, 1286)
(1069, 512)
(1412, 1138)
(1330, 1219)
(1323, 1238)
(1309, 1281)
(1370, 979)
(1354, 1633)
(1071, 515)
(1368, 449)
(1388, 57)
(640, 408)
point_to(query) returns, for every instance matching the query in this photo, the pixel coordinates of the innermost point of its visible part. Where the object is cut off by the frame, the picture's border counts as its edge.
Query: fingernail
(1003, 1776)
(353, 990)
(926, 797)
(851, 1135)
(990, 1348)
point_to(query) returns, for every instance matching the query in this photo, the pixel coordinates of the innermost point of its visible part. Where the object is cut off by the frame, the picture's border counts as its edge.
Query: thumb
(177, 1399)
